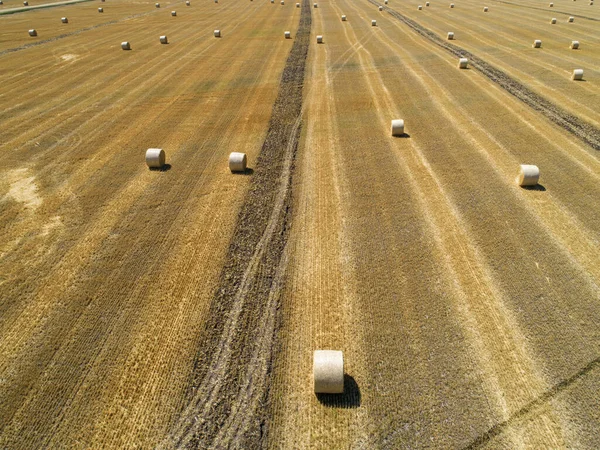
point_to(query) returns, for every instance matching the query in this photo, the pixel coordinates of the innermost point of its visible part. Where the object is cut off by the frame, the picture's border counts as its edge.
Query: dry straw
(328, 371)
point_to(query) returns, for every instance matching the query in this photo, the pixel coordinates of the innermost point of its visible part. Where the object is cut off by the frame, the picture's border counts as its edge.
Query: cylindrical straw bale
(451, 5)
(553, 20)
(272, 1)
(315, 5)
(386, 2)
(419, 7)
(32, 32)
(577, 74)
(237, 162)
(463, 63)
(426, 3)
(551, 5)
(25, 3)
(297, 5)
(485, 9)
(397, 127)
(125, 45)
(381, 8)
(571, 19)
(173, 13)
(287, 35)
(529, 175)
(164, 40)
(187, 3)
(319, 39)
(155, 158)
(64, 20)
(282, 2)
(157, 5)
(343, 18)
(537, 43)
(450, 36)
(328, 371)
(373, 23)
(100, 10)
(217, 33)
(574, 45)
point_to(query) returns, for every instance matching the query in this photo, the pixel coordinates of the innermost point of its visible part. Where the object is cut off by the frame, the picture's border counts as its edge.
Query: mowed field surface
(132, 302)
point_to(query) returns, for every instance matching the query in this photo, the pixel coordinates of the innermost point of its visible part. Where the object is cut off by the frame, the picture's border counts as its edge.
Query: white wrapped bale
(25, 3)
(571, 19)
(157, 5)
(529, 175)
(551, 5)
(386, 2)
(237, 162)
(485, 9)
(155, 158)
(287, 35)
(297, 5)
(343, 18)
(577, 75)
(217, 33)
(125, 45)
(397, 127)
(315, 5)
(273, 1)
(373, 23)
(381, 8)
(419, 7)
(164, 40)
(463, 63)
(32, 32)
(319, 39)
(426, 3)
(553, 21)
(282, 3)
(450, 36)
(187, 3)
(173, 13)
(100, 10)
(537, 43)
(64, 20)
(328, 371)
(451, 5)
(574, 45)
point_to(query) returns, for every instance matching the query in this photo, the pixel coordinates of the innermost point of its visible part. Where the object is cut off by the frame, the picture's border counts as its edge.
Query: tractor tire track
(584, 131)
(229, 394)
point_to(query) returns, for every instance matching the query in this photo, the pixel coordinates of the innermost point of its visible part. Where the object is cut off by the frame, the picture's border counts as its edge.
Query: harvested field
(180, 307)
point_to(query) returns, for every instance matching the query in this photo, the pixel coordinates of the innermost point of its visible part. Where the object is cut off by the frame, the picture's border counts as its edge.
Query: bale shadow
(164, 168)
(349, 399)
(246, 172)
(536, 187)
(402, 136)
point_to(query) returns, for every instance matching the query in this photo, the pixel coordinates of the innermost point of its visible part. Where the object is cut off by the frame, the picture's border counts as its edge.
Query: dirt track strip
(229, 391)
(584, 131)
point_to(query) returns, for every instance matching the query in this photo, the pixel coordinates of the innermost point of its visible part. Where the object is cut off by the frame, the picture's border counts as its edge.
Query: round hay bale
(386, 2)
(426, 3)
(551, 5)
(64, 20)
(217, 33)
(343, 18)
(537, 43)
(529, 175)
(32, 32)
(100, 10)
(397, 127)
(381, 8)
(485, 9)
(571, 19)
(164, 40)
(451, 5)
(373, 23)
(297, 5)
(553, 21)
(328, 371)
(315, 5)
(287, 35)
(173, 13)
(450, 36)
(463, 63)
(319, 39)
(272, 1)
(237, 162)
(577, 75)
(155, 158)
(25, 3)
(419, 7)
(282, 2)
(574, 45)
(187, 3)
(125, 45)
(157, 5)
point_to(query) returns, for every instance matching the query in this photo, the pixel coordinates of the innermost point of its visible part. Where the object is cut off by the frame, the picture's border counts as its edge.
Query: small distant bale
(282, 2)
(100, 10)
(451, 5)
(373, 23)
(315, 5)
(64, 20)
(272, 1)
(571, 19)
(157, 5)
(553, 21)
(287, 35)
(577, 75)
(217, 33)
(485, 9)
(328, 372)
(419, 7)
(463, 63)
(426, 3)
(237, 162)
(397, 127)
(125, 45)
(450, 36)
(164, 40)
(173, 13)
(25, 3)
(297, 5)
(187, 3)
(155, 158)
(551, 5)
(343, 18)
(529, 175)
(32, 32)
(574, 45)
(537, 44)
(381, 8)
(386, 2)
(319, 39)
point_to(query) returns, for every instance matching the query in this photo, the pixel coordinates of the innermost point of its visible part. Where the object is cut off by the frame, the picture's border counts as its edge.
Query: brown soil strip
(574, 125)
(229, 390)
